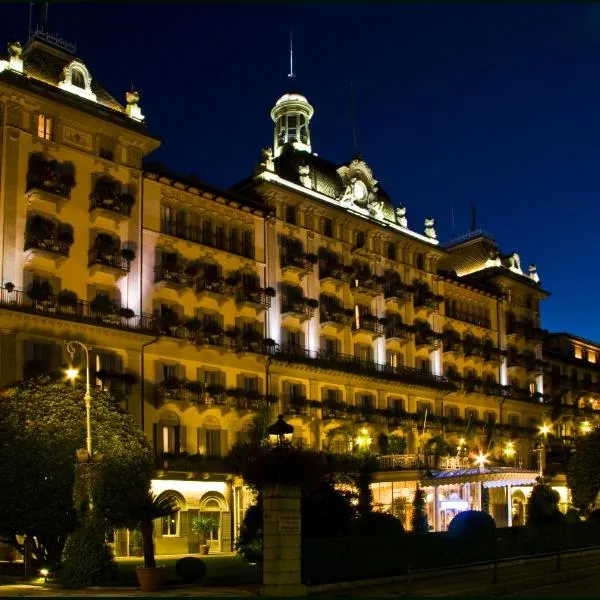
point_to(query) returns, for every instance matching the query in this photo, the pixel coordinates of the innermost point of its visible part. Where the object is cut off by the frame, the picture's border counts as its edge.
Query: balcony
(296, 263)
(78, 310)
(108, 261)
(200, 236)
(368, 324)
(491, 354)
(296, 406)
(48, 247)
(176, 278)
(352, 364)
(397, 293)
(396, 462)
(258, 299)
(366, 287)
(515, 328)
(114, 205)
(49, 179)
(301, 308)
(467, 317)
(426, 337)
(336, 317)
(426, 301)
(397, 332)
(453, 346)
(472, 350)
(472, 385)
(216, 288)
(335, 275)
(191, 463)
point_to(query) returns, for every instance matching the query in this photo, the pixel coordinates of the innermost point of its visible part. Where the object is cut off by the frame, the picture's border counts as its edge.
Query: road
(588, 587)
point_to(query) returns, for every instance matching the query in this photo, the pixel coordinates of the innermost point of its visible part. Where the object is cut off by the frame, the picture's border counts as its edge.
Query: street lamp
(509, 450)
(585, 427)
(480, 460)
(280, 433)
(71, 374)
(545, 429)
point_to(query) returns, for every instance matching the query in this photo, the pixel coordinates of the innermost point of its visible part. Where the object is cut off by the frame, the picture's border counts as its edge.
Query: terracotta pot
(204, 548)
(151, 579)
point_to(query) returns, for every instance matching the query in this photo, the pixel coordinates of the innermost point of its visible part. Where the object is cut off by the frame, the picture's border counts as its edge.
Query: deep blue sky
(492, 104)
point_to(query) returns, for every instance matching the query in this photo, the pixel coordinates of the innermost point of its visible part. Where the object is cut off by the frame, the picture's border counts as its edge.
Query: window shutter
(224, 442)
(183, 522)
(357, 350)
(259, 385)
(240, 381)
(157, 434)
(181, 443)
(285, 390)
(158, 527)
(201, 441)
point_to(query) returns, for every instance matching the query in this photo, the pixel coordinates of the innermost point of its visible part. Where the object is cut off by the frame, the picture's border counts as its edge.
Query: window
(452, 412)
(513, 420)
(423, 365)
(213, 442)
(366, 401)
(532, 387)
(331, 395)
(44, 127)
(290, 214)
(419, 261)
(77, 78)
(296, 390)
(328, 227)
(423, 407)
(471, 413)
(391, 251)
(363, 352)
(397, 405)
(248, 244)
(395, 359)
(359, 239)
(591, 356)
(170, 524)
(169, 372)
(330, 346)
(578, 351)
(490, 418)
(250, 384)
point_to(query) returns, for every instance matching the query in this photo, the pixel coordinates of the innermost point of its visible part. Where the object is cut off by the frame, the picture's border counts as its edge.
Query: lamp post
(585, 427)
(71, 374)
(480, 461)
(541, 448)
(280, 433)
(363, 439)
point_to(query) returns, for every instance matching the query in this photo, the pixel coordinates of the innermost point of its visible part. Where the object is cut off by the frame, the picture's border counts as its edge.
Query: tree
(43, 425)
(472, 525)
(583, 474)
(419, 522)
(542, 506)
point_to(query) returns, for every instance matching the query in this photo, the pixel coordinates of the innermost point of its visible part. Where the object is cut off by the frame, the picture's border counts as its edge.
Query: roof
(45, 62)
(470, 255)
(493, 476)
(191, 181)
(573, 337)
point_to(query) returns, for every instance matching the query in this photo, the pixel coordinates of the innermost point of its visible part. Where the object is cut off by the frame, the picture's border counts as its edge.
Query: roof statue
(429, 230)
(132, 97)
(304, 173)
(533, 273)
(401, 216)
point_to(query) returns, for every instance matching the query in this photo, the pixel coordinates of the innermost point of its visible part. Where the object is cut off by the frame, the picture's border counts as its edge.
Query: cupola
(291, 115)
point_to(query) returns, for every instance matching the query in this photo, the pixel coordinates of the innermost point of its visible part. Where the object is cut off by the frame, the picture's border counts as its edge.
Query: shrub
(594, 517)
(378, 524)
(190, 569)
(472, 525)
(249, 542)
(66, 298)
(572, 516)
(128, 254)
(419, 522)
(87, 560)
(542, 506)
(126, 313)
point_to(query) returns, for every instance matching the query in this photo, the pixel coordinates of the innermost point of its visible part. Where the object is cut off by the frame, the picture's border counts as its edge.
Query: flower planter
(151, 579)
(204, 548)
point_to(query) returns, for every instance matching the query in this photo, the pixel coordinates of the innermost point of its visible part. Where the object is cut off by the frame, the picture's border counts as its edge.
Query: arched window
(170, 525)
(77, 78)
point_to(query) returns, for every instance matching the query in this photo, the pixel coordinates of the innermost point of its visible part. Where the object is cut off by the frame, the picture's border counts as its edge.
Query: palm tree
(149, 509)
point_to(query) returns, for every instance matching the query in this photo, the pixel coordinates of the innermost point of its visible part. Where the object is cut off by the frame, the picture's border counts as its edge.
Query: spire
(291, 73)
(291, 115)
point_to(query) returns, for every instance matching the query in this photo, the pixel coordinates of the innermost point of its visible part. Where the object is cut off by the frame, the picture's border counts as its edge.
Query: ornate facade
(301, 289)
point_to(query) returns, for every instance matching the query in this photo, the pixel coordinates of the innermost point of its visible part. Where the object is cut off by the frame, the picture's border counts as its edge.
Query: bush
(378, 524)
(594, 517)
(472, 525)
(249, 542)
(190, 569)
(87, 560)
(542, 506)
(572, 517)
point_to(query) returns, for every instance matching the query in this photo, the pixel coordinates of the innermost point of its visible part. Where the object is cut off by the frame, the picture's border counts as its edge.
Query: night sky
(492, 105)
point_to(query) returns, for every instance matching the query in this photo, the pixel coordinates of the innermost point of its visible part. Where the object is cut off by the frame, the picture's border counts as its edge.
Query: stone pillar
(436, 508)
(478, 495)
(282, 575)
(509, 505)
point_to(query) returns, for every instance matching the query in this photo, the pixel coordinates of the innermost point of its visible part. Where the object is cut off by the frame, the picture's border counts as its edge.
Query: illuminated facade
(302, 289)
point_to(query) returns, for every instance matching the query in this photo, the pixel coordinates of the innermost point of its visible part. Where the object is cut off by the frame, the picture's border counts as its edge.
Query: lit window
(591, 356)
(532, 387)
(44, 127)
(170, 525)
(578, 352)
(77, 78)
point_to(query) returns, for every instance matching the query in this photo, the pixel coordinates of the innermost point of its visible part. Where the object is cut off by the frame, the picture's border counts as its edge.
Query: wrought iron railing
(108, 259)
(111, 203)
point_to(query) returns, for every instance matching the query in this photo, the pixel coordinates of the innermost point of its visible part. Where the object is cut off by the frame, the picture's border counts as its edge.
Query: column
(436, 508)
(509, 505)
(478, 494)
(281, 542)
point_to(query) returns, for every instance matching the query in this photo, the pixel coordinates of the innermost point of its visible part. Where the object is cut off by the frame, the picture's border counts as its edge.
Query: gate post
(282, 573)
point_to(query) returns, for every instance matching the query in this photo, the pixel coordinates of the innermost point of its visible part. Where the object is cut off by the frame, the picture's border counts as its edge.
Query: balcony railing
(81, 311)
(192, 233)
(336, 273)
(353, 364)
(467, 317)
(391, 462)
(108, 259)
(257, 297)
(113, 204)
(194, 463)
(296, 261)
(212, 286)
(173, 276)
(426, 300)
(453, 345)
(335, 315)
(368, 323)
(49, 244)
(396, 291)
(297, 306)
(367, 286)
(398, 330)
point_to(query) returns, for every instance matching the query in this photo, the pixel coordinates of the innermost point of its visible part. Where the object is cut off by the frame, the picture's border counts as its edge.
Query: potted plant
(102, 305)
(9, 287)
(126, 313)
(312, 258)
(270, 292)
(150, 577)
(39, 292)
(128, 254)
(312, 303)
(66, 298)
(65, 236)
(203, 526)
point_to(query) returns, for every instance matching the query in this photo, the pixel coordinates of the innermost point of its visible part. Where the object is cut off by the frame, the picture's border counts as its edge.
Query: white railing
(399, 461)
(454, 462)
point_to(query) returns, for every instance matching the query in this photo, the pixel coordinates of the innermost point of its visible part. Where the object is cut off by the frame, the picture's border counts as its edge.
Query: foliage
(203, 526)
(145, 509)
(472, 525)
(376, 524)
(583, 474)
(419, 522)
(572, 516)
(485, 500)
(249, 542)
(363, 482)
(87, 559)
(542, 506)
(438, 446)
(44, 424)
(190, 569)
(594, 517)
